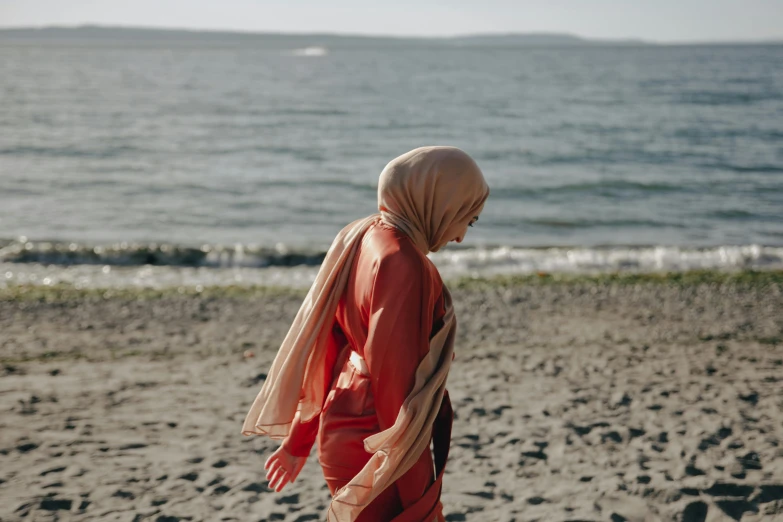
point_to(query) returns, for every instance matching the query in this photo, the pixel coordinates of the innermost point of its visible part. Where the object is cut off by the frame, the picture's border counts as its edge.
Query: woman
(363, 368)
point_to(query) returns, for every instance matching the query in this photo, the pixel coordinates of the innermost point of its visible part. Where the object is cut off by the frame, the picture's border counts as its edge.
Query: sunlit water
(206, 162)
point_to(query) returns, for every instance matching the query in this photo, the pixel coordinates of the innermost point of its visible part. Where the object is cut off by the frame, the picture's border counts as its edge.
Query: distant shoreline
(123, 33)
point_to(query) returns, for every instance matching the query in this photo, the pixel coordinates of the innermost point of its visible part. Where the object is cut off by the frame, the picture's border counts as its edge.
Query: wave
(515, 260)
(734, 214)
(702, 134)
(601, 223)
(313, 51)
(471, 263)
(459, 260)
(741, 169)
(104, 152)
(716, 98)
(604, 187)
(136, 254)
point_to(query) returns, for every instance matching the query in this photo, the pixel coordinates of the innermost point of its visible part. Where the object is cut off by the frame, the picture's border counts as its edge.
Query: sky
(654, 20)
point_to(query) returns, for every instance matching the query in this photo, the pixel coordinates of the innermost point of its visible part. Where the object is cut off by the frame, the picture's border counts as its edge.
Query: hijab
(424, 193)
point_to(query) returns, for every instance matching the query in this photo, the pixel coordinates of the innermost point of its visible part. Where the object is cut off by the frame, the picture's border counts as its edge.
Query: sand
(592, 399)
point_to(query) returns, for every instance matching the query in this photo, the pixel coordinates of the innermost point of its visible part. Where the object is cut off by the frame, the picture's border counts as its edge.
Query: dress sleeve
(402, 306)
(302, 435)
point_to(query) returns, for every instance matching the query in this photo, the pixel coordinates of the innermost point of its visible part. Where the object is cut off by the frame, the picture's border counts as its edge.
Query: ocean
(155, 161)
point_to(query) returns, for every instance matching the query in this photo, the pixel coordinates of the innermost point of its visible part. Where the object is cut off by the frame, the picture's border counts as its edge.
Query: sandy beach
(593, 399)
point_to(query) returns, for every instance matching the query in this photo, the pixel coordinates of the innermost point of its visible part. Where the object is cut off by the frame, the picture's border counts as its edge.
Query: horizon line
(587, 39)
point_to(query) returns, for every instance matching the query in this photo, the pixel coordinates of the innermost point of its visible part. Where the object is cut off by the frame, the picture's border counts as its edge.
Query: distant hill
(138, 34)
(535, 39)
(94, 32)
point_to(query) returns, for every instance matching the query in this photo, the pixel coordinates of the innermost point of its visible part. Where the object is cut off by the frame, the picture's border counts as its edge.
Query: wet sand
(588, 399)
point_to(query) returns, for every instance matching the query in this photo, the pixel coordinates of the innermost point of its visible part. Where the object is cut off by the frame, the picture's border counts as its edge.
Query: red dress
(391, 305)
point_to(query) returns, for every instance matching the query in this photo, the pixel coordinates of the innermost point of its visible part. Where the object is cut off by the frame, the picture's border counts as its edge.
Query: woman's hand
(282, 467)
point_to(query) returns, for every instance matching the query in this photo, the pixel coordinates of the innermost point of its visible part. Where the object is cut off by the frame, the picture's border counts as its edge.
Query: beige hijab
(425, 193)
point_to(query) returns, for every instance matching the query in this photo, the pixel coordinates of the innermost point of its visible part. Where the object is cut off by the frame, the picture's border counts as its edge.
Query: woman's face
(463, 229)
(457, 231)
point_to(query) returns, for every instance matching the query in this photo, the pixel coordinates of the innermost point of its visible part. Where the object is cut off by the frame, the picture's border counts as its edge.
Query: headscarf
(424, 193)
(427, 190)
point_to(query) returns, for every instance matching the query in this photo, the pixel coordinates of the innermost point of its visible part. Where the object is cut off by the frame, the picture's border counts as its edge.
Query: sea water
(154, 161)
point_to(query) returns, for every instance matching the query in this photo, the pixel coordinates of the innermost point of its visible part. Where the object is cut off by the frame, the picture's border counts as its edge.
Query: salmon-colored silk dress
(391, 304)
